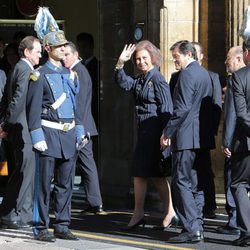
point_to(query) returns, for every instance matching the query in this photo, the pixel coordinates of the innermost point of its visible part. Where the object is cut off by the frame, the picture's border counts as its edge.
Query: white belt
(56, 125)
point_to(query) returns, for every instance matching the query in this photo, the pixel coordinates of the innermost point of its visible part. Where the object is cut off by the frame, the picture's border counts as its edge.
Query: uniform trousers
(86, 164)
(187, 190)
(61, 172)
(230, 203)
(17, 204)
(240, 187)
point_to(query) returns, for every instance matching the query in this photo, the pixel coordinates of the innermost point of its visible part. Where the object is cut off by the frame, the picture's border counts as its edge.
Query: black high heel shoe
(174, 222)
(142, 222)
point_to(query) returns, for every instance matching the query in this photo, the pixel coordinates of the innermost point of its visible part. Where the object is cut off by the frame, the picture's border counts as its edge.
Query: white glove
(41, 146)
(83, 141)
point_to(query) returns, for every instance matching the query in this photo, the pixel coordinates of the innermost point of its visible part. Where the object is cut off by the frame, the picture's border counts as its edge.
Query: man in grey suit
(189, 130)
(85, 158)
(17, 205)
(240, 185)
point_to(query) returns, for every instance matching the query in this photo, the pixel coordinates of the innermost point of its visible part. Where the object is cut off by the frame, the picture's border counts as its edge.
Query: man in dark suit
(17, 206)
(207, 174)
(85, 44)
(234, 62)
(189, 130)
(241, 148)
(85, 158)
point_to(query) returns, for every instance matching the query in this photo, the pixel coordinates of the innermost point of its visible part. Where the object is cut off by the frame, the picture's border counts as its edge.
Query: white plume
(44, 22)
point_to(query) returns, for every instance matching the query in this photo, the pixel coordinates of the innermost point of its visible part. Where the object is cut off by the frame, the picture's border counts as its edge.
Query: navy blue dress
(153, 107)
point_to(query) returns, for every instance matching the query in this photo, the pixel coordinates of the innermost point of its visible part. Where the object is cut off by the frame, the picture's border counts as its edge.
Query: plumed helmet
(54, 38)
(47, 29)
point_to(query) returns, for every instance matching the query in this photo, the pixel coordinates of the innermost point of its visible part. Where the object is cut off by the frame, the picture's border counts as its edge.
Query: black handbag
(165, 163)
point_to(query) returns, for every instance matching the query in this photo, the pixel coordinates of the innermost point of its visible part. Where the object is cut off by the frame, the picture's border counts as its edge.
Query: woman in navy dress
(153, 106)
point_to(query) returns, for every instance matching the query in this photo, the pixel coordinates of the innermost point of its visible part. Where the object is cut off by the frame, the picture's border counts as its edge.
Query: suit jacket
(84, 99)
(93, 67)
(191, 125)
(14, 103)
(172, 82)
(152, 95)
(217, 106)
(2, 82)
(229, 116)
(241, 92)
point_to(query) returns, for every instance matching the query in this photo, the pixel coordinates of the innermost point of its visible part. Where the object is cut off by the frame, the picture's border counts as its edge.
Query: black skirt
(147, 152)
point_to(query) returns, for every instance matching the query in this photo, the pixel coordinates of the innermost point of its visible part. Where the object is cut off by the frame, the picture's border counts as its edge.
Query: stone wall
(182, 21)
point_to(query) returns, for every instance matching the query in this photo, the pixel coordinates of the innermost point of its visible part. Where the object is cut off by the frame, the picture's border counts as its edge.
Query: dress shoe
(142, 222)
(174, 222)
(65, 235)
(45, 236)
(187, 237)
(242, 241)
(228, 230)
(13, 224)
(98, 210)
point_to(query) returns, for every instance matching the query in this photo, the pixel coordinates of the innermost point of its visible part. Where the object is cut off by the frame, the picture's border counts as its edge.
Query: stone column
(164, 38)
(179, 20)
(235, 12)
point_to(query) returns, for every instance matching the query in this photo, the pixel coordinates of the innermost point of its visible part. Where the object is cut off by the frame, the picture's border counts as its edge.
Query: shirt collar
(75, 62)
(28, 62)
(190, 61)
(54, 67)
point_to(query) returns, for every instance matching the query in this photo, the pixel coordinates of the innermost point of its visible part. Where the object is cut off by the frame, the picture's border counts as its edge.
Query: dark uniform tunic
(57, 162)
(153, 110)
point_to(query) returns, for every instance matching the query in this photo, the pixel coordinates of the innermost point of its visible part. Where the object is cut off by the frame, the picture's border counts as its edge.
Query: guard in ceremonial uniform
(55, 133)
